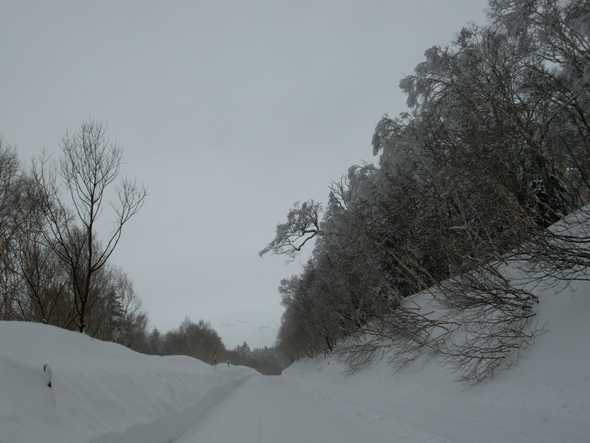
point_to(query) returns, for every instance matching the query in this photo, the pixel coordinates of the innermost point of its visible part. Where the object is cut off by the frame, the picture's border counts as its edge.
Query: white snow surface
(103, 392)
(544, 398)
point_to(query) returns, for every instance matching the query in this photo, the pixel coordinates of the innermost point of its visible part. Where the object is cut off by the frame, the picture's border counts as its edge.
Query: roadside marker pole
(47, 372)
(216, 357)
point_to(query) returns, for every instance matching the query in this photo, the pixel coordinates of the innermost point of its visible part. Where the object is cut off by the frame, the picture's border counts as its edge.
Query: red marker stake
(47, 371)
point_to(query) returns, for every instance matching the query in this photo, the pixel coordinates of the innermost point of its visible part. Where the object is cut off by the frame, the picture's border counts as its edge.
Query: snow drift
(100, 391)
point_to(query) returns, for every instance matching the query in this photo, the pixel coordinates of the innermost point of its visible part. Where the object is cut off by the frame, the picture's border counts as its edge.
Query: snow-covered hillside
(103, 392)
(544, 398)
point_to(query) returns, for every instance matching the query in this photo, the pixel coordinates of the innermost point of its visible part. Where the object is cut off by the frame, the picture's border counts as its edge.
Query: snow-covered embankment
(100, 391)
(544, 398)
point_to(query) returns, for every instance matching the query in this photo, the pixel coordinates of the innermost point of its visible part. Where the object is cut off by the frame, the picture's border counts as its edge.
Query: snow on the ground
(100, 391)
(273, 409)
(103, 392)
(544, 398)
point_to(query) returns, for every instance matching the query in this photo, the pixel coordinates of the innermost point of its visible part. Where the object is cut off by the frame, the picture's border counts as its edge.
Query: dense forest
(494, 149)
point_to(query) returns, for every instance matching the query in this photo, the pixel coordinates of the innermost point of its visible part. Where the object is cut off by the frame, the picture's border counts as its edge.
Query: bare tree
(88, 168)
(45, 283)
(14, 211)
(118, 316)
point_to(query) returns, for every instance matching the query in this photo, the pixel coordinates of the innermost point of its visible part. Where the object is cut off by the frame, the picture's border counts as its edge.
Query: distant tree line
(494, 149)
(200, 340)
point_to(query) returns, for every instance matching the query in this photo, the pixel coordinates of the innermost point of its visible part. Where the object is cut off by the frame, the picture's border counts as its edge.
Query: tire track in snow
(272, 409)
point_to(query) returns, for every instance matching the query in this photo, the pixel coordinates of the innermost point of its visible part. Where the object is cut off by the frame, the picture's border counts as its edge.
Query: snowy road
(273, 409)
(286, 409)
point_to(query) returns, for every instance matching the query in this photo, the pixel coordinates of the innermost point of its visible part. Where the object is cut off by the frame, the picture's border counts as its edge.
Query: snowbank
(544, 398)
(100, 391)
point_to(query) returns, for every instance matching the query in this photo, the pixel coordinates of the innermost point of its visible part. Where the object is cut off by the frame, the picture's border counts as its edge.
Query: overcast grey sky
(230, 111)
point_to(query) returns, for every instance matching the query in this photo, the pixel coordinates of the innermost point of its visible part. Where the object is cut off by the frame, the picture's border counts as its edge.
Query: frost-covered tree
(303, 224)
(493, 150)
(244, 350)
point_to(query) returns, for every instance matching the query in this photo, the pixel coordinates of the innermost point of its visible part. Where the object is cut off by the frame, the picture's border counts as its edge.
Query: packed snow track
(274, 409)
(280, 409)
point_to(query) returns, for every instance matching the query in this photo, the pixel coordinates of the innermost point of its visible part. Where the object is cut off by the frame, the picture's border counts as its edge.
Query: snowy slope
(99, 389)
(545, 398)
